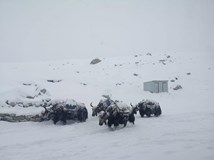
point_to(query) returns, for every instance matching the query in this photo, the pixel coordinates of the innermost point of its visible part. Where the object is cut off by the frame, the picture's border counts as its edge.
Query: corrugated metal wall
(156, 86)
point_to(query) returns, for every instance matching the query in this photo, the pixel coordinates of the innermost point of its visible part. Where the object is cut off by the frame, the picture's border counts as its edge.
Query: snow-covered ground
(184, 131)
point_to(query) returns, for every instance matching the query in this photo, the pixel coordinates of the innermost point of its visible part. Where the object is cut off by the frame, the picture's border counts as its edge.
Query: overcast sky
(65, 29)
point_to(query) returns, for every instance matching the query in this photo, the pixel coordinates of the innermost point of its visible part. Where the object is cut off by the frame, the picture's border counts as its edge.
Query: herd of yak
(110, 112)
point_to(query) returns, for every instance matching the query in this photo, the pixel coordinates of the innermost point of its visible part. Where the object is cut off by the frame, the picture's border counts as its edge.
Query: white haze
(49, 29)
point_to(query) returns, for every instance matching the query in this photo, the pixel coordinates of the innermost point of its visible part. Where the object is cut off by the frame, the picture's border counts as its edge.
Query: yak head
(97, 109)
(134, 109)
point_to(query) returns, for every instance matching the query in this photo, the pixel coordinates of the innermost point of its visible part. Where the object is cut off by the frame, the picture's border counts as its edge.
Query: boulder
(95, 61)
(54, 81)
(43, 91)
(177, 87)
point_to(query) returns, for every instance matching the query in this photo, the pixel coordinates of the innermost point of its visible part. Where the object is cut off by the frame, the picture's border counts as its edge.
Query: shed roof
(158, 81)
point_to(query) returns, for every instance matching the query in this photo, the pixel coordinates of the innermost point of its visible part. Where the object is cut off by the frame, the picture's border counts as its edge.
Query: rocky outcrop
(37, 117)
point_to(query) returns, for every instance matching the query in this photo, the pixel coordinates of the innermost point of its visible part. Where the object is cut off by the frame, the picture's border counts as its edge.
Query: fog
(40, 30)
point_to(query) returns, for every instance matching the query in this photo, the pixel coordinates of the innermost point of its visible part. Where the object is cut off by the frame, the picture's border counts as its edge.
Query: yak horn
(91, 105)
(45, 108)
(131, 104)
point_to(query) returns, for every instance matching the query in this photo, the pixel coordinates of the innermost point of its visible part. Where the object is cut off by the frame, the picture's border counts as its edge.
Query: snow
(184, 131)
(50, 44)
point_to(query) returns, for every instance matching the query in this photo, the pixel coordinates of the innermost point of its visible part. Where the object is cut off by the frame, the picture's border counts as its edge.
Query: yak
(149, 107)
(63, 111)
(102, 106)
(116, 114)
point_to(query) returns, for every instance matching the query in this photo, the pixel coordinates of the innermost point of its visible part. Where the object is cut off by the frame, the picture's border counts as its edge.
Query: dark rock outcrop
(177, 87)
(19, 118)
(95, 61)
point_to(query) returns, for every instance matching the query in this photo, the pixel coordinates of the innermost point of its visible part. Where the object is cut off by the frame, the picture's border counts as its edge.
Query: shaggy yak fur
(114, 116)
(149, 108)
(64, 113)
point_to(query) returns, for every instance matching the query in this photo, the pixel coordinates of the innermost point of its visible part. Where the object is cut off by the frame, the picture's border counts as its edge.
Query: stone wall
(19, 118)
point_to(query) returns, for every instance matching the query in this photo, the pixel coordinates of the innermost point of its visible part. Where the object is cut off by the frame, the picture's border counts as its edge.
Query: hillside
(184, 131)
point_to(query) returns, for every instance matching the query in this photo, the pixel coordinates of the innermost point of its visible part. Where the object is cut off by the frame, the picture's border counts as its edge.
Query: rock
(177, 87)
(30, 104)
(10, 103)
(95, 61)
(149, 54)
(20, 118)
(48, 100)
(162, 61)
(188, 73)
(20, 104)
(4, 116)
(54, 81)
(37, 105)
(36, 118)
(135, 74)
(84, 84)
(30, 97)
(27, 84)
(7, 102)
(43, 91)
(25, 105)
(8, 118)
(106, 96)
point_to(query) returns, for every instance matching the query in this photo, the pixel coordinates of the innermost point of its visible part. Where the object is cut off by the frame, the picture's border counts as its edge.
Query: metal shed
(156, 86)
